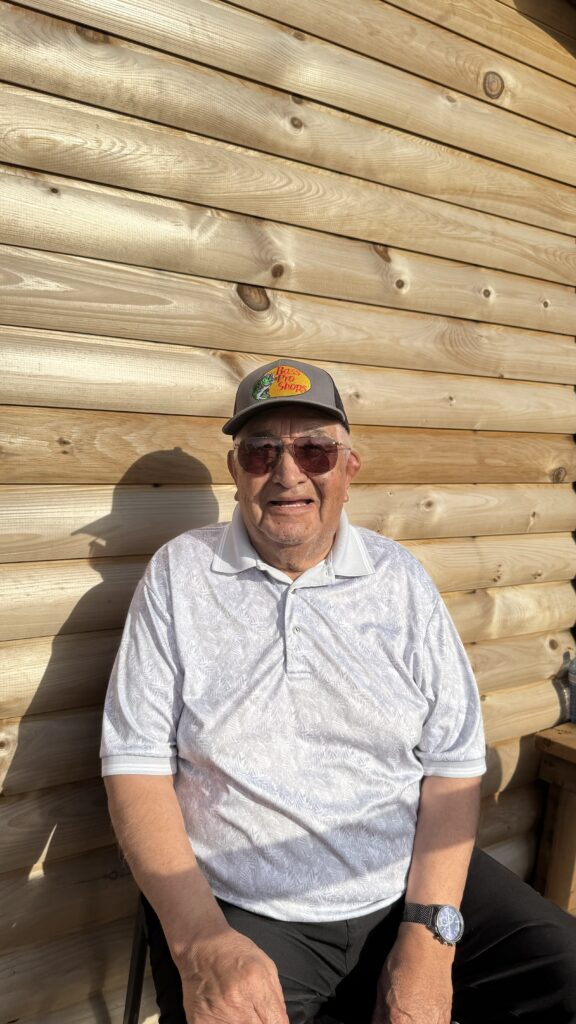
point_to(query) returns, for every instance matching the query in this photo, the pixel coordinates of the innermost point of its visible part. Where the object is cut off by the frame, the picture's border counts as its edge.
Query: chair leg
(137, 966)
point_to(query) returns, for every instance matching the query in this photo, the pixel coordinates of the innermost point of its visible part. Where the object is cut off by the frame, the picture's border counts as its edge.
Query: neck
(293, 560)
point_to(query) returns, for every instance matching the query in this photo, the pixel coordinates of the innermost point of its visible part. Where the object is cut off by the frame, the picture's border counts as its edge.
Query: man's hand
(415, 986)
(227, 979)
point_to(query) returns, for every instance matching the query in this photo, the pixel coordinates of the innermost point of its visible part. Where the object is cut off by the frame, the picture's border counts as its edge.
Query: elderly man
(293, 749)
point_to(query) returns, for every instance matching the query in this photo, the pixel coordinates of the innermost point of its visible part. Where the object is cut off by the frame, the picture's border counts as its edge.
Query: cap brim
(233, 425)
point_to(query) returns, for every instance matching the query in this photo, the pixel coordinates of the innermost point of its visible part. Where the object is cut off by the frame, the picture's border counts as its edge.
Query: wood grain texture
(56, 672)
(108, 1002)
(508, 31)
(143, 377)
(58, 522)
(513, 611)
(41, 751)
(561, 877)
(47, 825)
(245, 44)
(509, 814)
(56, 56)
(513, 661)
(509, 764)
(521, 710)
(118, 150)
(42, 599)
(84, 447)
(518, 854)
(90, 961)
(481, 562)
(427, 49)
(97, 297)
(71, 895)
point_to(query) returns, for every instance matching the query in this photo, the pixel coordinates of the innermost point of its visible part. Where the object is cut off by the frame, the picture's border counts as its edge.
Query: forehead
(289, 421)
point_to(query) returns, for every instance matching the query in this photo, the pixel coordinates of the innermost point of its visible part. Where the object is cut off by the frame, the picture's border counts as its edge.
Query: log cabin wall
(191, 188)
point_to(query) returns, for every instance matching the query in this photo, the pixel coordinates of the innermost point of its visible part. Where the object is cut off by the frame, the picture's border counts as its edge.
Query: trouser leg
(517, 958)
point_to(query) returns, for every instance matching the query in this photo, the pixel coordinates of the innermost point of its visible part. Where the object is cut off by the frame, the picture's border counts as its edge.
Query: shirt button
(296, 629)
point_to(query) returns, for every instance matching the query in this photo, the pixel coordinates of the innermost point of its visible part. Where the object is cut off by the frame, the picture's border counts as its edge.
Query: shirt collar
(348, 556)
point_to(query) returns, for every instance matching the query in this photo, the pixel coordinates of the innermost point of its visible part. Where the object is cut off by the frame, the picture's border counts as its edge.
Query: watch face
(449, 924)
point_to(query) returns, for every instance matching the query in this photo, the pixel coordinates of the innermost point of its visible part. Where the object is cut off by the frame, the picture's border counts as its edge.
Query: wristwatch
(445, 922)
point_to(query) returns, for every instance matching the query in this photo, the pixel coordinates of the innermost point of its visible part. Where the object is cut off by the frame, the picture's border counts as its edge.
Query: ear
(353, 464)
(232, 466)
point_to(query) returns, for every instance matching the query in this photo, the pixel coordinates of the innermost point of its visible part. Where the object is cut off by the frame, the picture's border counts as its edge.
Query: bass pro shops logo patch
(281, 382)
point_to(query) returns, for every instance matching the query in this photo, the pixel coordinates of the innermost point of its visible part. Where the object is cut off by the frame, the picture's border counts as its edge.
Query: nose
(286, 472)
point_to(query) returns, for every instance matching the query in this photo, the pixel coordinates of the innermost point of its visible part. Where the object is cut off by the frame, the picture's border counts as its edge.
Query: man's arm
(416, 983)
(225, 976)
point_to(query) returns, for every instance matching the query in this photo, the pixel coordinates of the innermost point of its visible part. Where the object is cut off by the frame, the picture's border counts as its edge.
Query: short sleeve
(452, 741)
(143, 702)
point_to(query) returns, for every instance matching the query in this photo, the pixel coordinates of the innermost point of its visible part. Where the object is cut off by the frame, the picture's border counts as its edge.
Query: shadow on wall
(67, 879)
(535, 11)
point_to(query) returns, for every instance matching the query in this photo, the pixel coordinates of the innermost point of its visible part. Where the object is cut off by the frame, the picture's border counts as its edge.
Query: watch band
(443, 920)
(420, 913)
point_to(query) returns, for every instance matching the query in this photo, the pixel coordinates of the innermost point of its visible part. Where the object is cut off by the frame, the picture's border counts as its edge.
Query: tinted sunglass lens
(258, 458)
(315, 457)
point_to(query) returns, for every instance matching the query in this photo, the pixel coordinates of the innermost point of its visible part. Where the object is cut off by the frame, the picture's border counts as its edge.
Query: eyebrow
(313, 432)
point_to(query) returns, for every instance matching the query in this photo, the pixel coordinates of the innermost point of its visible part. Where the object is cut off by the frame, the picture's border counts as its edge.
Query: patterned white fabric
(299, 716)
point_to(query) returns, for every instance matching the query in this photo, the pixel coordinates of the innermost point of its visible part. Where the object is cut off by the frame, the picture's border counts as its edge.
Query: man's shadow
(68, 879)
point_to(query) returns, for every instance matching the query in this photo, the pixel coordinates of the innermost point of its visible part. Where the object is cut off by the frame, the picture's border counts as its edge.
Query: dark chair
(137, 967)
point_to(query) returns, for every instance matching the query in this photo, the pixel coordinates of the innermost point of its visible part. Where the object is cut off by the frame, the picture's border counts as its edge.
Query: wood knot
(297, 99)
(383, 252)
(558, 475)
(63, 441)
(493, 84)
(299, 35)
(546, 303)
(553, 644)
(399, 284)
(253, 296)
(428, 504)
(277, 270)
(91, 35)
(55, 191)
(296, 123)
(487, 292)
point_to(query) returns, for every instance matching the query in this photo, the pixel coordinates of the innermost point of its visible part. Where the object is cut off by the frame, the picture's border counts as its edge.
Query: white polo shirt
(299, 716)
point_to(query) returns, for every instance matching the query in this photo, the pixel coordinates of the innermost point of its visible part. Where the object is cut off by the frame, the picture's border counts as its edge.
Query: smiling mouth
(294, 503)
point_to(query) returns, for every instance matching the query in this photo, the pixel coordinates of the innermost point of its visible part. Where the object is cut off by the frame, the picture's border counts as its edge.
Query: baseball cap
(285, 382)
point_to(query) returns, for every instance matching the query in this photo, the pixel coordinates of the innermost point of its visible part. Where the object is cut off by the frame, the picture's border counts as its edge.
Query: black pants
(516, 961)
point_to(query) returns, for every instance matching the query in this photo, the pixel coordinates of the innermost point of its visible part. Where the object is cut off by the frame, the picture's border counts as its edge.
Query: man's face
(291, 517)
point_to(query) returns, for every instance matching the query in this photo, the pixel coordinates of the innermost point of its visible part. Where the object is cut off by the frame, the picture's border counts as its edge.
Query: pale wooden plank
(143, 377)
(84, 447)
(512, 661)
(517, 854)
(153, 158)
(481, 562)
(561, 876)
(54, 673)
(67, 293)
(509, 764)
(50, 54)
(248, 45)
(71, 895)
(105, 1007)
(43, 826)
(64, 971)
(522, 710)
(507, 30)
(41, 599)
(513, 611)
(509, 814)
(559, 742)
(40, 751)
(429, 50)
(57, 522)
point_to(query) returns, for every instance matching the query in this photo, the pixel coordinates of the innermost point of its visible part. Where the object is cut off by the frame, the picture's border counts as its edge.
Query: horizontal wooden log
(513, 661)
(424, 48)
(83, 447)
(156, 159)
(509, 814)
(45, 53)
(42, 599)
(509, 764)
(208, 313)
(251, 46)
(91, 1009)
(522, 710)
(64, 971)
(482, 562)
(512, 611)
(55, 292)
(57, 522)
(71, 895)
(56, 672)
(41, 751)
(511, 32)
(518, 854)
(142, 377)
(46, 825)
